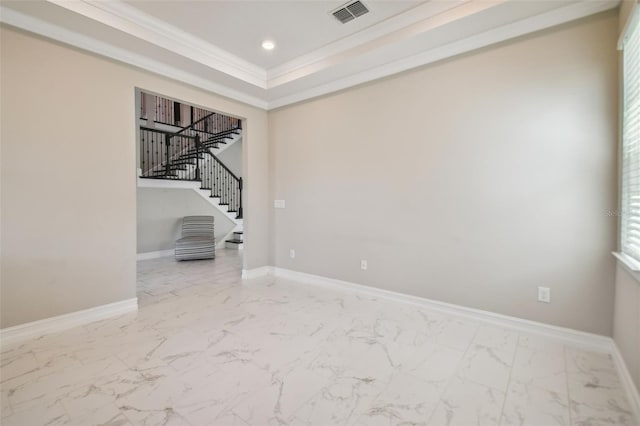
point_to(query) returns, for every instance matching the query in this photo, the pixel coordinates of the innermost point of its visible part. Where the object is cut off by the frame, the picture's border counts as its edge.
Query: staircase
(235, 241)
(188, 155)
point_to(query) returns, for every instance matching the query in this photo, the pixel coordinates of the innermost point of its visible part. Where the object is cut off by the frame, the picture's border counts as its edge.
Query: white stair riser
(235, 246)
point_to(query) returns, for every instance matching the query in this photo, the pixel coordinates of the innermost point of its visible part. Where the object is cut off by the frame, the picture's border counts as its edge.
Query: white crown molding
(37, 26)
(30, 330)
(496, 35)
(132, 21)
(118, 12)
(321, 57)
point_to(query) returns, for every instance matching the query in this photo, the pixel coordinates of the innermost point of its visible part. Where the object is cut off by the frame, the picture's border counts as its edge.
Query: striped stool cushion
(198, 241)
(197, 226)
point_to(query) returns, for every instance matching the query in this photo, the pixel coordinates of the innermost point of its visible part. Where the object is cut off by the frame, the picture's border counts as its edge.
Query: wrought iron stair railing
(187, 155)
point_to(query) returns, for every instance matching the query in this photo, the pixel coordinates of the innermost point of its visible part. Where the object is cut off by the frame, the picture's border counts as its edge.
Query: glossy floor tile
(206, 348)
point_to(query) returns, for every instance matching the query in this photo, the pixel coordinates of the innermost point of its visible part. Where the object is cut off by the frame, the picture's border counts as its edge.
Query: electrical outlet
(292, 253)
(544, 294)
(363, 265)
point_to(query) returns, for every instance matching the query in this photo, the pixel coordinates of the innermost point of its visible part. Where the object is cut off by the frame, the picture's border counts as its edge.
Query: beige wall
(471, 181)
(160, 212)
(232, 158)
(69, 185)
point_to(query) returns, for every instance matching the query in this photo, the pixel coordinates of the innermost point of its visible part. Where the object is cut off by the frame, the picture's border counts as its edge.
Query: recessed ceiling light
(268, 45)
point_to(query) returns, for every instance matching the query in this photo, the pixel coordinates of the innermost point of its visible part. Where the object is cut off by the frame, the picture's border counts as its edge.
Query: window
(630, 205)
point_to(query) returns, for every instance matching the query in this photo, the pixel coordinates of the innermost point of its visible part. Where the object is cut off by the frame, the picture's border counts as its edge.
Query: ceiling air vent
(350, 11)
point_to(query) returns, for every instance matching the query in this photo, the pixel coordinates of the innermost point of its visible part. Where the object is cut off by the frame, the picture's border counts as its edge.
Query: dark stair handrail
(163, 154)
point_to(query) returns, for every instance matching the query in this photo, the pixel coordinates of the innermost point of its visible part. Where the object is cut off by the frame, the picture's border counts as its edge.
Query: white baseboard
(30, 330)
(155, 254)
(576, 338)
(627, 381)
(569, 336)
(263, 271)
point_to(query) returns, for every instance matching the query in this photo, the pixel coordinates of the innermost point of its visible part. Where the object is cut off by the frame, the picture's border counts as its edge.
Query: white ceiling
(297, 27)
(215, 45)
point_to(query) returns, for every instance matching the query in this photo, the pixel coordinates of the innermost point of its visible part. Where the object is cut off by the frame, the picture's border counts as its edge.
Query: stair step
(235, 241)
(232, 244)
(238, 236)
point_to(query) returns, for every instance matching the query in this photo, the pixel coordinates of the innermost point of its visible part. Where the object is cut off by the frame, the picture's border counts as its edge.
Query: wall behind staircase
(232, 158)
(160, 212)
(471, 181)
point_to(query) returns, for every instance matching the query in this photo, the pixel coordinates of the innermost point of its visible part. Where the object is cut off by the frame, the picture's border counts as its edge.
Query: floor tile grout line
(566, 370)
(455, 374)
(506, 391)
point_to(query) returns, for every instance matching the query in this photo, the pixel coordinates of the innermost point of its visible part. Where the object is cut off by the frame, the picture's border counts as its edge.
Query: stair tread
(238, 232)
(235, 241)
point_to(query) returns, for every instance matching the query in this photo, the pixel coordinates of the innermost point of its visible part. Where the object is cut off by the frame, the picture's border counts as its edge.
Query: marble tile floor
(206, 348)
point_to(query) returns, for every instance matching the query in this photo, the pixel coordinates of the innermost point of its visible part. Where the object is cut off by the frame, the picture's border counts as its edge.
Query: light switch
(278, 204)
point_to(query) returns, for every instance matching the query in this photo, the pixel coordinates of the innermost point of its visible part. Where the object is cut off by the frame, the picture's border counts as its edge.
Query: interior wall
(68, 188)
(471, 181)
(232, 158)
(160, 212)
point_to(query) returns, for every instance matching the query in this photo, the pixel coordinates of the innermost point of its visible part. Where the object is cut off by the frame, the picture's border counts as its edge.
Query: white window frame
(629, 43)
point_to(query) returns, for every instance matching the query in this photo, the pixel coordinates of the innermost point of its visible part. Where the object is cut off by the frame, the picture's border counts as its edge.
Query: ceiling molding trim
(447, 16)
(130, 20)
(528, 25)
(477, 41)
(34, 25)
(380, 29)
